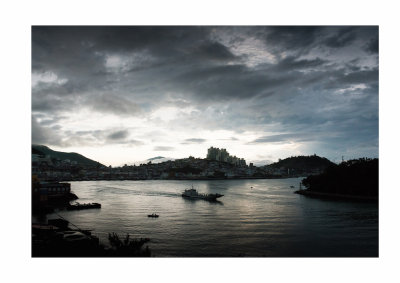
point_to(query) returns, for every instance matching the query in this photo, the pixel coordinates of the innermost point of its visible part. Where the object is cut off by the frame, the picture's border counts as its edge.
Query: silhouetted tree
(353, 177)
(128, 247)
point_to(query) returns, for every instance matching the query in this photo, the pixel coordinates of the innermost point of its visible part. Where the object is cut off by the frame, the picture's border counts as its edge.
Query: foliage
(128, 247)
(186, 169)
(303, 163)
(353, 177)
(219, 174)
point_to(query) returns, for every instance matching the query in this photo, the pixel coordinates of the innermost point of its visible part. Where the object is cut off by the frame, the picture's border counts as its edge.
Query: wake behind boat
(193, 194)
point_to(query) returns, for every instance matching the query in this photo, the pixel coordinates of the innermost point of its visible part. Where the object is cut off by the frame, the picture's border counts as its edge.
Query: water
(254, 218)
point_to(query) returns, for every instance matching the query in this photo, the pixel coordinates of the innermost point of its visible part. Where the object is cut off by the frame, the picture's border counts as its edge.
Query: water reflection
(253, 218)
(211, 202)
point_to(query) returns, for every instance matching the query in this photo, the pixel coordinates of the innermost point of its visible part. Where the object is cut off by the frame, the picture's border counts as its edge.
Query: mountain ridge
(303, 162)
(73, 156)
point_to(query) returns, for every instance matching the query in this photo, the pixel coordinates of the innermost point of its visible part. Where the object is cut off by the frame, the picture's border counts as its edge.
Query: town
(218, 164)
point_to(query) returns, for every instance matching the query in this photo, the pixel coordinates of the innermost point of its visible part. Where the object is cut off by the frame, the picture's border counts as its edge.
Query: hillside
(80, 159)
(354, 177)
(303, 163)
(159, 159)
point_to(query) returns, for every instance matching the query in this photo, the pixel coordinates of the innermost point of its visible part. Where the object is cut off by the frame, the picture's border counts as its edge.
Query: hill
(358, 177)
(80, 159)
(303, 163)
(159, 159)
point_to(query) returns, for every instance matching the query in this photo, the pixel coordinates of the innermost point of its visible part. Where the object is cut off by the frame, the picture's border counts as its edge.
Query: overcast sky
(125, 94)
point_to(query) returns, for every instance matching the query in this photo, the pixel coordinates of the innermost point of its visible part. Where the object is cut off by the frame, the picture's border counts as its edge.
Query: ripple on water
(266, 220)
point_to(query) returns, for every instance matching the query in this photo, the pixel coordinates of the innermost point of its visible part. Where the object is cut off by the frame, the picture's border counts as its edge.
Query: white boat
(192, 193)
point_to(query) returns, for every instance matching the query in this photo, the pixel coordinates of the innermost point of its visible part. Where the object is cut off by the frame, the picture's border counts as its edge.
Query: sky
(121, 95)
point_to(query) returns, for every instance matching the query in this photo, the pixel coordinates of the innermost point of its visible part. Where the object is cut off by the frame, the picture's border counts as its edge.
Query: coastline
(169, 179)
(336, 196)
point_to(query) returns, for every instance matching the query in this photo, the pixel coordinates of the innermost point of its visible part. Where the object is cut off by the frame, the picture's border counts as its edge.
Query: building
(217, 154)
(44, 191)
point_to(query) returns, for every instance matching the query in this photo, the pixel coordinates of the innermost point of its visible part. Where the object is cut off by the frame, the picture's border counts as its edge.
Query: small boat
(292, 187)
(79, 206)
(153, 215)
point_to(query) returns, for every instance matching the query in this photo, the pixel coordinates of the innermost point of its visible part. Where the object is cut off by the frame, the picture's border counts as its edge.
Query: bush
(353, 177)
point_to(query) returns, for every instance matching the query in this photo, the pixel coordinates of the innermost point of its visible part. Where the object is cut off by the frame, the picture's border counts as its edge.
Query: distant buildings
(219, 164)
(222, 155)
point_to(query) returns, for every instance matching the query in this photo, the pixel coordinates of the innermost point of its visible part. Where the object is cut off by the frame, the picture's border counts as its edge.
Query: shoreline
(336, 196)
(175, 179)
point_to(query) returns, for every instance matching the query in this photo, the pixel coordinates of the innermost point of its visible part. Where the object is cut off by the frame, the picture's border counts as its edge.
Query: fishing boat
(193, 194)
(79, 206)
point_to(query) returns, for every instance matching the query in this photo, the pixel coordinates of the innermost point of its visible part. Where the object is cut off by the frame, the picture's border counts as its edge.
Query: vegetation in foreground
(51, 245)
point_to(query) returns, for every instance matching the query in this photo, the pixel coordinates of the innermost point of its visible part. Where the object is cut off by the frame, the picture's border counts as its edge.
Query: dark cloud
(227, 82)
(183, 60)
(119, 135)
(163, 148)
(45, 121)
(304, 83)
(292, 63)
(341, 79)
(299, 38)
(45, 132)
(214, 51)
(193, 141)
(343, 37)
(44, 135)
(283, 138)
(372, 46)
(114, 104)
(364, 76)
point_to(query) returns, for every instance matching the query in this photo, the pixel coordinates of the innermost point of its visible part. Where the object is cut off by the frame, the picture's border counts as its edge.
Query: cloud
(299, 84)
(119, 135)
(292, 63)
(340, 79)
(44, 135)
(342, 38)
(227, 82)
(291, 38)
(229, 139)
(214, 51)
(372, 46)
(194, 141)
(163, 148)
(114, 104)
(284, 138)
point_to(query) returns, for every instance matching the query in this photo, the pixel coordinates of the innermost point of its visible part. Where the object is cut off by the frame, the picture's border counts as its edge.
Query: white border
(17, 17)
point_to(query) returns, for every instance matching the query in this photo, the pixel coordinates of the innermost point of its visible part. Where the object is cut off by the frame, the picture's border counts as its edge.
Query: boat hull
(209, 197)
(83, 206)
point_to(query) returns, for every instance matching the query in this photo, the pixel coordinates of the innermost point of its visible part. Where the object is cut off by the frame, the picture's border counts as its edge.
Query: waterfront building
(42, 191)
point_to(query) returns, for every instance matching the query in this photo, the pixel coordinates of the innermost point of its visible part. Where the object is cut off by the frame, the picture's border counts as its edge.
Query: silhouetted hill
(303, 163)
(154, 158)
(354, 177)
(159, 159)
(80, 159)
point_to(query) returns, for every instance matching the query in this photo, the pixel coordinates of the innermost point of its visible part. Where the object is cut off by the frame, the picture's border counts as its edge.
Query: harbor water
(254, 218)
